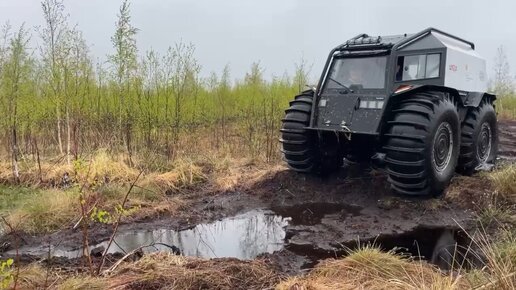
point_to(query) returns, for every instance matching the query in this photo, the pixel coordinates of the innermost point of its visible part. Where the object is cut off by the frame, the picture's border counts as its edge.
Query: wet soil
(507, 137)
(290, 219)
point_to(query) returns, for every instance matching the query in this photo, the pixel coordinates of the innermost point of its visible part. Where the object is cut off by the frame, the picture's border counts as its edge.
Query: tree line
(55, 100)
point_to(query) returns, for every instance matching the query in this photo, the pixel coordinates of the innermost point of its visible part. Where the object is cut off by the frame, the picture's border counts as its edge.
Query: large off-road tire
(422, 143)
(301, 147)
(479, 137)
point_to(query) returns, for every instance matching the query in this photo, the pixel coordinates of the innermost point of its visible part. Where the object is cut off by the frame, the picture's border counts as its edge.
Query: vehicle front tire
(422, 143)
(301, 148)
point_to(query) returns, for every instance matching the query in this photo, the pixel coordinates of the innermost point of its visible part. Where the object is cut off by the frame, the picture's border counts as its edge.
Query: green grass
(43, 211)
(37, 210)
(506, 106)
(13, 196)
(494, 214)
(504, 182)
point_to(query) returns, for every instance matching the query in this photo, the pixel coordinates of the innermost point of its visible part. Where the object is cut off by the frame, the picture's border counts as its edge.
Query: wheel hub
(484, 142)
(442, 147)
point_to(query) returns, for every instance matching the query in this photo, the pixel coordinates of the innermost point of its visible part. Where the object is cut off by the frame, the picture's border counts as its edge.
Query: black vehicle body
(360, 128)
(414, 104)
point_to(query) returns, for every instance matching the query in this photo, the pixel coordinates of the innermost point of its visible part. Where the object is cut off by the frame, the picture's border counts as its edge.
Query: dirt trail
(325, 215)
(507, 137)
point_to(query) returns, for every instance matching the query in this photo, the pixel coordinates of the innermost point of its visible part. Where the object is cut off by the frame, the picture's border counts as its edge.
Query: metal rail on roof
(363, 40)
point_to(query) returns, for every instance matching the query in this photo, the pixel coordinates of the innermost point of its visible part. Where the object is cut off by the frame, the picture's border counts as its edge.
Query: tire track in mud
(507, 139)
(388, 221)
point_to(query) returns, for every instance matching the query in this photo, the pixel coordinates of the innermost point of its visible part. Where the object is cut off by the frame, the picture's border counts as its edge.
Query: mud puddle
(244, 236)
(313, 213)
(441, 246)
(271, 232)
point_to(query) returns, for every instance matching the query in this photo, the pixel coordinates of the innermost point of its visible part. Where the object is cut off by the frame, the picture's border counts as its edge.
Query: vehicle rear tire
(422, 143)
(300, 147)
(479, 138)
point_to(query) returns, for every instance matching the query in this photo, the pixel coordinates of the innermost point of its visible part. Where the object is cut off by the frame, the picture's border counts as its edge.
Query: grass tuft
(186, 174)
(504, 182)
(499, 266)
(45, 211)
(112, 167)
(154, 271)
(32, 277)
(370, 268)
(83, 283)
(506, 107)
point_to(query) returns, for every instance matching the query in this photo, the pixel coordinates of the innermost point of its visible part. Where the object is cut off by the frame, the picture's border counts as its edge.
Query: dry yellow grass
(227, 173)
(113, 167)
(504, 182)
(32, 277)
(45, 211)
(184, 175)
(214, 172)
(6, 171)
(156, 209)
(83, 283)
(97, 167)
(365, 268)
(35, 276)
(167, 271)
(370, 268)
(499, 255)
(205, 173)
(29, 171)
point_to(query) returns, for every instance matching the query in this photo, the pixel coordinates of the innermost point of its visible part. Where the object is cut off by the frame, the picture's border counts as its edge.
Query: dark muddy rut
(507, 137)
(290, 219)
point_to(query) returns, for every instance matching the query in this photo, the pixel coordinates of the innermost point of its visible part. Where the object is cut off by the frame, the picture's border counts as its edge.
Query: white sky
(278, 32)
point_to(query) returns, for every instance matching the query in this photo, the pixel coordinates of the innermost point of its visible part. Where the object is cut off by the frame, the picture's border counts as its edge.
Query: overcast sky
(278, 32)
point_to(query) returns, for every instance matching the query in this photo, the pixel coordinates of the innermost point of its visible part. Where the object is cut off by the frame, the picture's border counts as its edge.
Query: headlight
(366, 104)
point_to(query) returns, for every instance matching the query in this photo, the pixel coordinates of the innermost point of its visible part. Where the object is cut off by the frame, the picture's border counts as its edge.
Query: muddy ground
(325, 216)
(507, 137)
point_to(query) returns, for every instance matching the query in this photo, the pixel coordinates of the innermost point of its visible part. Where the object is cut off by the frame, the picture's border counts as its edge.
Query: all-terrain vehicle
(416, 104)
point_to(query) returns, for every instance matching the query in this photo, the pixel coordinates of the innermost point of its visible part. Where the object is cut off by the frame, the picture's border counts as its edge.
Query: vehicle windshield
(352, 74)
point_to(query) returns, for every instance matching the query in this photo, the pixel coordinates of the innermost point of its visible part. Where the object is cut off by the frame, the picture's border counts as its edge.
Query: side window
(433, 62)
(416, 67)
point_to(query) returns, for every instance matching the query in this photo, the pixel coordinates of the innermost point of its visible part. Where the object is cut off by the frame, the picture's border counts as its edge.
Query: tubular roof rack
(364, 39)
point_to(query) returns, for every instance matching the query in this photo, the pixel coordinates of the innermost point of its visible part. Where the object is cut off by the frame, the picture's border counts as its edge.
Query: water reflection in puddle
(312, 213)
(243, 236)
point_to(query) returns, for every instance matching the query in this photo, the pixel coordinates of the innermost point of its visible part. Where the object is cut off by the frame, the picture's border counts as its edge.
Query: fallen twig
(115, 265)
(17, 248)
(491, 284)
(117, 223)
(87, 213)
